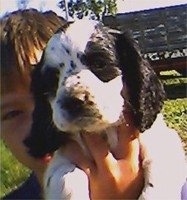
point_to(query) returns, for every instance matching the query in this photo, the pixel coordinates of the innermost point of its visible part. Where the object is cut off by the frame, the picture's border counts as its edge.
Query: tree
(94, 9)
(22, 4)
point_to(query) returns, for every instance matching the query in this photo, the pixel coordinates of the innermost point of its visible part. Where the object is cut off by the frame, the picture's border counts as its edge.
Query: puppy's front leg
(65, 181)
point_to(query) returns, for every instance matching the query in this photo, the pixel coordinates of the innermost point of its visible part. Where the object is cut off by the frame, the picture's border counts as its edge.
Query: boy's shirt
(30, 189)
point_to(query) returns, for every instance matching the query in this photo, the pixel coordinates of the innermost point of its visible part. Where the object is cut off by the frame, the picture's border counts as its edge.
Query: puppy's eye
(82, 57)
(50, 81)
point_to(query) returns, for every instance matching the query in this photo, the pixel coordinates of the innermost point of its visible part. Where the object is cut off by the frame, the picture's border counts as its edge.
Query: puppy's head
(87, 84)
(80, 80)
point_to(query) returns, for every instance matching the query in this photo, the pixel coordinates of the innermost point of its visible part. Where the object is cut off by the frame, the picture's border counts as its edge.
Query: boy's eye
(12, 114)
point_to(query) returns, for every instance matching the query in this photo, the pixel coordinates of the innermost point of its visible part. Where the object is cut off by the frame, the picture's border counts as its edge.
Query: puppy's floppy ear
(145, 90)
(44, 137)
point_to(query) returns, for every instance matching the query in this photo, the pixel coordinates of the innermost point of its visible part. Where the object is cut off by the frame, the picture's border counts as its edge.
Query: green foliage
(12, 172)
(172, 78)
(175, 114)
(95, 9)
(175, 108)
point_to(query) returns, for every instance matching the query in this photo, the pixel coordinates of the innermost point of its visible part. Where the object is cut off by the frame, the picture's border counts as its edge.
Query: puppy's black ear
(145, 90)
(44, 137)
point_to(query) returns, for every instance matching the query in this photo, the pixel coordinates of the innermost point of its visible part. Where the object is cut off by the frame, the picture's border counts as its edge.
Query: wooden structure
(161, 34)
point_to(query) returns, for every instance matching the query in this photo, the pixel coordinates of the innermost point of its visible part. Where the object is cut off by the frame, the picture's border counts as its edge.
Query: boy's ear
(145, 90)
(44, 137)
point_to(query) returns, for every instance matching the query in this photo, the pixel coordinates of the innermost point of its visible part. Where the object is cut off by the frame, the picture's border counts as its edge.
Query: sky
(122, 5)
(136, 5)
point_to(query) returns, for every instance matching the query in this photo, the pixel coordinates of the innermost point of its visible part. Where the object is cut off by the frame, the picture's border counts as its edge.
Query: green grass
(175, 108)
(175, 113)
(12, 172)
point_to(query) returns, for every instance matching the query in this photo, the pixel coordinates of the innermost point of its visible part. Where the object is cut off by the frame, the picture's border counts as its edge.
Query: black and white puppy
(77, 88)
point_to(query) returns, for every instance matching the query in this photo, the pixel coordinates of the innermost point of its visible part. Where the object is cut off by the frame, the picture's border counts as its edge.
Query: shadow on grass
(175, 86)
(175, 91)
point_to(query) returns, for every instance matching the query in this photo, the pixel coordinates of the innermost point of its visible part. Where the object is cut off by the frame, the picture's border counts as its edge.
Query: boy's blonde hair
(24, 34)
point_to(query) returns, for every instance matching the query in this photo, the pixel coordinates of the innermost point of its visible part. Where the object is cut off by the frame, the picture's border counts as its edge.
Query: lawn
(175, 107)
(12, 172)
(175, 113)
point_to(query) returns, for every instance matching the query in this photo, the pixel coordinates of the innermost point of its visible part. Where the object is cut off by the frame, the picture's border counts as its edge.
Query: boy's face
(16, 118)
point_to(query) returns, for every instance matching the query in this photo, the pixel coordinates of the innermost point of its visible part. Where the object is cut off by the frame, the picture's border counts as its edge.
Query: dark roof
(156, 30)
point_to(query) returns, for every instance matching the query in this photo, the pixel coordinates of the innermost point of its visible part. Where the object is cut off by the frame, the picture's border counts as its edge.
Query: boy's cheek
(19, 127)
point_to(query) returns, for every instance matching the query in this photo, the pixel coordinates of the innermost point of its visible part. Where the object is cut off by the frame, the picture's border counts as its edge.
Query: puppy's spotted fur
(77, 88)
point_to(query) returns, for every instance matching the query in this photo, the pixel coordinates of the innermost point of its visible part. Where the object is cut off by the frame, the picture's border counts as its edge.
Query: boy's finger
(74, 152)
(99, 151)
(126, 133)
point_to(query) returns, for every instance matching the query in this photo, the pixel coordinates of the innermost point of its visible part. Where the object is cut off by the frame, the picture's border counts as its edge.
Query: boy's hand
(112, 175)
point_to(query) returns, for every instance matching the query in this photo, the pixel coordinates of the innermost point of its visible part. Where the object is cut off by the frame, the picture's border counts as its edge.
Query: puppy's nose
(72, 104)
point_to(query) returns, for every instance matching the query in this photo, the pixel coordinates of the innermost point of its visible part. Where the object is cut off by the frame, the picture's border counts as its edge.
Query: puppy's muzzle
(73, 105)
(85, 102)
